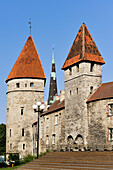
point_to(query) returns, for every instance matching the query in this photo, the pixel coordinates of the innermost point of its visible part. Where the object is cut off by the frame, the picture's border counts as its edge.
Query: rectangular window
(110, 134)
(47, 142)
(110, 109)
(56, 119)
(70, 92)
(24, 146)
(47, 122)
(10, 146)
(10, 132)
(77, 90)
(22, 111)
(23, 132)
(31, 84)
(53, 139)
(17, 85)
(91, 67)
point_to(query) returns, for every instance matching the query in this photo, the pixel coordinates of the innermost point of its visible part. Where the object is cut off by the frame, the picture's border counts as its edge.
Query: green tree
(2, 138)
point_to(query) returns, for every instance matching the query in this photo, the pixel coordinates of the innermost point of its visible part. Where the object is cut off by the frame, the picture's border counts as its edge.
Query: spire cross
(30, 25)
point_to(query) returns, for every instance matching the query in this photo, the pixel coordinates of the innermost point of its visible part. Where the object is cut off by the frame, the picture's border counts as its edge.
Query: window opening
(10, 146)
(77, 90)
(91, 67)
(31, 84)
(53, 139)
(70, 92)
(56, 119)
(10, 132)
(110, 109)
(23, 132)
(47, 143)
(22, 111)
(23, 146)
(70, 71)
(17, 85)
(91, 89)
(77, 67)
(110, 134)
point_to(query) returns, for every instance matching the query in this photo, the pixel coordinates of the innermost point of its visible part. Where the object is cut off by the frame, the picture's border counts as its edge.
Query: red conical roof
(28, 64)
(83, 48)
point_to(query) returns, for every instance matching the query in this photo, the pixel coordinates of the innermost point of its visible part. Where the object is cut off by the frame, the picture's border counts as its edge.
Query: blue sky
(53, 22)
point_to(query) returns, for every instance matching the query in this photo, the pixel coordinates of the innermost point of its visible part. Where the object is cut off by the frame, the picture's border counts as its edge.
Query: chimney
(56, 97)
(45, 104)
(62, 95)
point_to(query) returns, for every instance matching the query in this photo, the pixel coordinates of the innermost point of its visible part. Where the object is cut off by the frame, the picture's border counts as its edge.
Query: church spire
(53, 83)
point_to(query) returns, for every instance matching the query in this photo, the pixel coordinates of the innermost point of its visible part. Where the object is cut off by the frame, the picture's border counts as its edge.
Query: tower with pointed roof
(25, 86)
(83, 75)
(53, 83)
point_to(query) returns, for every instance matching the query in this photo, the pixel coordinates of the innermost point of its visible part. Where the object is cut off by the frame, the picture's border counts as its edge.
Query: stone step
(72, 160)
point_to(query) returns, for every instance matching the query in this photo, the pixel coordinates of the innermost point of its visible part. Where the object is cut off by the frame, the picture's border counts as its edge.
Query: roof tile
(28, 64)
(105, 91)
(55, 106)
(83, 48)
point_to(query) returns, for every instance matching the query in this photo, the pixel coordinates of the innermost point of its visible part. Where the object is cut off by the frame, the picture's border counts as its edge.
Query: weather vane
(30, 25)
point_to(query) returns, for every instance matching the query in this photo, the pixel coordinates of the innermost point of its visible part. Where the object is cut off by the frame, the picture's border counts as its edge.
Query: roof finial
(30, 25)
(53, 60)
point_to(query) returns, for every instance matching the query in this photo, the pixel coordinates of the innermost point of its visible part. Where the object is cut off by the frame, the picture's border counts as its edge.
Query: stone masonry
(77, 91)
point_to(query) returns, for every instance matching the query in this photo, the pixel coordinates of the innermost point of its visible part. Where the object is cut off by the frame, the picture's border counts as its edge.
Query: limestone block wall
(20, 114)
(52, 133)
(99, 122)
(78, 88)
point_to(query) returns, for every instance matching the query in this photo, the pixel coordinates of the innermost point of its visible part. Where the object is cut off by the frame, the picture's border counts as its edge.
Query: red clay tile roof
(57, 105)
(28, 64)
(105, 91)
(83, 48)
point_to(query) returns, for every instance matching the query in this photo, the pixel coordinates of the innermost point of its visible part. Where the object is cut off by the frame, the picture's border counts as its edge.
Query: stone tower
(53, 83)
(83, 75)
(25, 86)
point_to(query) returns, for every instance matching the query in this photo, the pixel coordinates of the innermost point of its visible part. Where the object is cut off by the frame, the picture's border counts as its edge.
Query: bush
(42, 153)
(17, 163)
(13, 157)
(27, 158)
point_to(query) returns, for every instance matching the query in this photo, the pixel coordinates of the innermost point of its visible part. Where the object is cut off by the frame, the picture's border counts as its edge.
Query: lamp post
(38, 108)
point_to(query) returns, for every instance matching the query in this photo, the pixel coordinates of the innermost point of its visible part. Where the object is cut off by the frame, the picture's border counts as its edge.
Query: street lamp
(39, 109)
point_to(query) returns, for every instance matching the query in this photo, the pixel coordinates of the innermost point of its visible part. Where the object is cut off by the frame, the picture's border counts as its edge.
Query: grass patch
(10, 168)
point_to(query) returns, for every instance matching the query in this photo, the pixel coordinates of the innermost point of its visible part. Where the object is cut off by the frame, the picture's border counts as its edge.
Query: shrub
(13, 157)
(42, 153)
(27, 158)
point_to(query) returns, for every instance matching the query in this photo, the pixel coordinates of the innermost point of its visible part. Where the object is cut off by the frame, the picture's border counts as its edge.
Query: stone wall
(53, 130)
(18, 98)
(99, 122)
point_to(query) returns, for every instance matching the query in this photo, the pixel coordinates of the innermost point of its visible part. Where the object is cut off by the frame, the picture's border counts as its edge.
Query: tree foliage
(2, 138)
